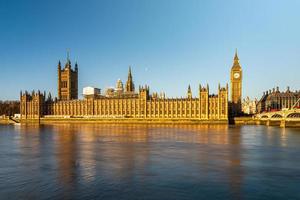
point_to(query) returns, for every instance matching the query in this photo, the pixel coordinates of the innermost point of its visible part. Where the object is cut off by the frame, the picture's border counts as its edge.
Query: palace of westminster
(124, 102)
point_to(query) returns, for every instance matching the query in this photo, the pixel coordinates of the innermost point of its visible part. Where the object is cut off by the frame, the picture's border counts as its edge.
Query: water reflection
(283, 137)
(235, 168)
(155, 161)
(66, 155)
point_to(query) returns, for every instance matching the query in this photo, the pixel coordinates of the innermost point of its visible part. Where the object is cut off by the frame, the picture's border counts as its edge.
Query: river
(92, 161)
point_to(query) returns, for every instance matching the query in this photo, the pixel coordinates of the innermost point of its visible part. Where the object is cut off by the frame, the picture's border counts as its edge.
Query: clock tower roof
(236, 64)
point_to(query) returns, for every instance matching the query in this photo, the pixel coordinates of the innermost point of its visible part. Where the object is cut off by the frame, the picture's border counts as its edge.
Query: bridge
(281, 117)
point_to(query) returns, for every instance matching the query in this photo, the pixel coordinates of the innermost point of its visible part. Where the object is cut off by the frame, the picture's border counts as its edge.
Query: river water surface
(89, 161)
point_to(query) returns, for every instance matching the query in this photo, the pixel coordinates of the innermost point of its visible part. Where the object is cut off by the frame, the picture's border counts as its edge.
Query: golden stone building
(126, 103)
(67, 81)
(236, 87)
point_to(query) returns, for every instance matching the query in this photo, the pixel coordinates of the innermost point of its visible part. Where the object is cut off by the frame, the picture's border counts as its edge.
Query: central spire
(129, 73)
(129, 82)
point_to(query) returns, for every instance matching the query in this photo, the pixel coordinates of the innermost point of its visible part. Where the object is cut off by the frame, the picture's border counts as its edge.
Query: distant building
(119, 92)
(119, 87)
(110, 92)
(276, 100)
(91, 92)
(249, 106)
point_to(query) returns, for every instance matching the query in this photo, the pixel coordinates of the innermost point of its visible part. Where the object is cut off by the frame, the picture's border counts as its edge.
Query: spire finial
(76, 66)
(129, 72)
(68, 54)
(59, 64)
(68, 63)
(236, 55)
(189, 92)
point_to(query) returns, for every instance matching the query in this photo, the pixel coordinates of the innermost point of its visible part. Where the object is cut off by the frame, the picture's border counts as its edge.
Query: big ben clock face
(236, 75)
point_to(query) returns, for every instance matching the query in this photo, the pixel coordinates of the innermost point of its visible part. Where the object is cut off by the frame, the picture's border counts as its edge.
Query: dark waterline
(91, 161)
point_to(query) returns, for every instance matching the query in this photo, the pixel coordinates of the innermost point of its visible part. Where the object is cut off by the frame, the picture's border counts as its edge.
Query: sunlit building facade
(124, 102)
(275, 99)
(249, 106)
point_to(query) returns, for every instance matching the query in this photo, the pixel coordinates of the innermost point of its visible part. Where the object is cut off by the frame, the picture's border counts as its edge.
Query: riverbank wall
(234, 121)
(244, 121)
(121, 121)
(273, 122)
(6, 120)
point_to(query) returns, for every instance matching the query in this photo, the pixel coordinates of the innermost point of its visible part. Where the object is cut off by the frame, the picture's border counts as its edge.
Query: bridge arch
(293, 115)
(276, 116)
(264, 116)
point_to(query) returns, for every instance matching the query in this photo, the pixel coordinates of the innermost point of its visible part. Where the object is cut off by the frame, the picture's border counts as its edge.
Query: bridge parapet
(282, 114)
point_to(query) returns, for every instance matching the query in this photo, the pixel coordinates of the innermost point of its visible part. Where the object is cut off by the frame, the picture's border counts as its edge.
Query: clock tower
(236, 86)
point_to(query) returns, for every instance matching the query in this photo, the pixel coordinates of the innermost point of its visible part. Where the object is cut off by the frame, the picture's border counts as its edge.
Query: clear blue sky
(168, 43)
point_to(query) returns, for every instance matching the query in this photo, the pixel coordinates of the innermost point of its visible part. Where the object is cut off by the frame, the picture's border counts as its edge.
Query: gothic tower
(59, 80)
(204, 101)
(67, 81)
(129, 83)
(236, 86)
(189, 92)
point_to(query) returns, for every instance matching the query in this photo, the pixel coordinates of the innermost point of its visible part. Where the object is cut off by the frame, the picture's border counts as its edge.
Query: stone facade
(67, 81)
(32, 105)
(274, 100)
(126, 103)
(205, 107)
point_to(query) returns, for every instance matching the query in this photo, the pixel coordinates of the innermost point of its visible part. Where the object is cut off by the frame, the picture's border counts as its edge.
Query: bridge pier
(282, 123)
(273, 122)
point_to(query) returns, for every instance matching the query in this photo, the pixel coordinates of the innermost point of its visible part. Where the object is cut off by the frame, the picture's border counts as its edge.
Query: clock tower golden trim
(236, 76)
